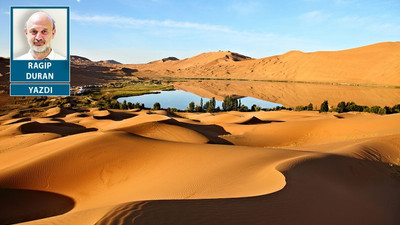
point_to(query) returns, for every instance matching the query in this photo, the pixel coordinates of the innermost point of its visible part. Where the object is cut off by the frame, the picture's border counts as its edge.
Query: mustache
(39, 41)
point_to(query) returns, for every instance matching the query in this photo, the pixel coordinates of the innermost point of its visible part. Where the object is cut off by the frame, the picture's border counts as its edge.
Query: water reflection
(293, 94)
(180, 99)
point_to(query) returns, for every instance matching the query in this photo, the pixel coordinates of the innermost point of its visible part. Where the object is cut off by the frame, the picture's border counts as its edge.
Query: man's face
(39, 32)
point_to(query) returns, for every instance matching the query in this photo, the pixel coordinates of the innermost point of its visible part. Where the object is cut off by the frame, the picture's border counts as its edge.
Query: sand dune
(376, 64)
(151, 167)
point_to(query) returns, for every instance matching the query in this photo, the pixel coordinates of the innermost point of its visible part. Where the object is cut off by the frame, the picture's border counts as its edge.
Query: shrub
(374, 109)
(396, 108)
(310, 107)
(156, 106)
(353, 107)
(300, 108)
(382, 111)
(244, 108)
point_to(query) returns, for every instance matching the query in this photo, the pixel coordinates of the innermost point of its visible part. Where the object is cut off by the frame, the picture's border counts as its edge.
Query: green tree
(191, 107)
(229, 103)
(156, 106)
(324, 107)
(341, 107)
(213, 102)
(130, 105)
(209, 106)
(310, 107)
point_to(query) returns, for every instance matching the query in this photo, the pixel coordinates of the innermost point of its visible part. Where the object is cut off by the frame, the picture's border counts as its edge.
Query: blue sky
(139, 31)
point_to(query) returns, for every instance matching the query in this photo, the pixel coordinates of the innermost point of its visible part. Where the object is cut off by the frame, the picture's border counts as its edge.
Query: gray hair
(48, 16)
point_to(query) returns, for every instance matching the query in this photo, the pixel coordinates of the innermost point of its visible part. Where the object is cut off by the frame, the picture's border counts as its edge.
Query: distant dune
(110, 61)
(377, 64)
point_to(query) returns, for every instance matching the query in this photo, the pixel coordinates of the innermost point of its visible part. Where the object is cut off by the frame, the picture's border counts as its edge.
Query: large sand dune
(139, 167)
(376, 64)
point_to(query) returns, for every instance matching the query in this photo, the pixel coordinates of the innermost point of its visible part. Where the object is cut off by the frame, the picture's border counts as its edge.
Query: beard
(39, 49)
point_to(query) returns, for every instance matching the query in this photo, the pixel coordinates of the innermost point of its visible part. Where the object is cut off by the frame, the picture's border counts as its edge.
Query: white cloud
(78, 0)
(7, 12)
(127, 21)
(212, 38)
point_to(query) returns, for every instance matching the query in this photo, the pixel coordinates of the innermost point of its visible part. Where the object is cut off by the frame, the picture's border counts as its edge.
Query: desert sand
(94, 166)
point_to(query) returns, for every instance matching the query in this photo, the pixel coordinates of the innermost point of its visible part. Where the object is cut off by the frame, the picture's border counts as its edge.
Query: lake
(294, 94)
(180, 99)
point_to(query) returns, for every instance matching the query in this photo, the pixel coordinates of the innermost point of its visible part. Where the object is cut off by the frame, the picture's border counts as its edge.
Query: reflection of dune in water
(293, 94)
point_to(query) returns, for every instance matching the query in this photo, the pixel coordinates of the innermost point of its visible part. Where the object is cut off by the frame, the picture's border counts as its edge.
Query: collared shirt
(52, 56)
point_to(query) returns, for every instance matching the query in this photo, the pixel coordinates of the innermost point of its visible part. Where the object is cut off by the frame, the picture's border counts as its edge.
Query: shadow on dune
(212, 132)
(19, 121)
(61, 128)
(329, 190)
(116, 116)
(254, 120)
(18, 205)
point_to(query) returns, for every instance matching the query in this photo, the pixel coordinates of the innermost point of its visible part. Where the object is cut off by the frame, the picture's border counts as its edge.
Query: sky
(140, 31)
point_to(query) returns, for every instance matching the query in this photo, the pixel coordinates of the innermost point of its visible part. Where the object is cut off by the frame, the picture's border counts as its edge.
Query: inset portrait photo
(39, 33)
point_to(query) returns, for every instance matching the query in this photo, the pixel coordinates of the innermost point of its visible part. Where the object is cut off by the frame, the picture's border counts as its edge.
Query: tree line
(231, 103)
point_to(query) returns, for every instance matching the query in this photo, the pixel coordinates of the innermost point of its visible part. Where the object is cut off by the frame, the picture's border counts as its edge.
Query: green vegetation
(210, 106)
(343, 107)
(156, 106)
(255, 108)
(230, 103)
(353, 107)
(191, 107)
(309, 107)
(105, 97)
(324, 107)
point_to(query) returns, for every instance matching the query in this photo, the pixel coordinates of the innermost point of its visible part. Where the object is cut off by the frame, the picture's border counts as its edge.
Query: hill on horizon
(376, 64)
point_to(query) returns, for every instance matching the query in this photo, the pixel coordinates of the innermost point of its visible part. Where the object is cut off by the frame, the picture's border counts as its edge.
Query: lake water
(181, 99)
